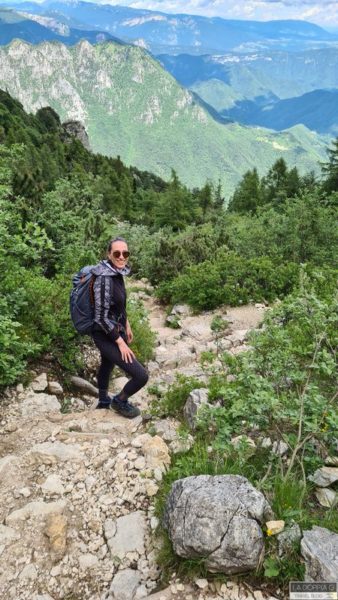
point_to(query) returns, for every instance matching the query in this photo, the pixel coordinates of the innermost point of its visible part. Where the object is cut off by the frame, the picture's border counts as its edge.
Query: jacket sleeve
(103, 288)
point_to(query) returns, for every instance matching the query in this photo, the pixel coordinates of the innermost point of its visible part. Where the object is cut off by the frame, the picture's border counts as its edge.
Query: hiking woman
(111, 331)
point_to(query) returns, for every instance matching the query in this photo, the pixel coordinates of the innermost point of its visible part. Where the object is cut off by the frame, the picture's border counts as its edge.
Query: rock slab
(217, 517)
(319, 547)
(196, 399)
(126, 534)
(124, 585)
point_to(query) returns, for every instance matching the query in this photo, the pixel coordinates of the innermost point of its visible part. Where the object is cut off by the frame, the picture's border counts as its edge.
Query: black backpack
(82, 300)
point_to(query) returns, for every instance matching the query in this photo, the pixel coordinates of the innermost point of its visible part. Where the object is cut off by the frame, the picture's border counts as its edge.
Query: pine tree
(330, 169)
(247, 195)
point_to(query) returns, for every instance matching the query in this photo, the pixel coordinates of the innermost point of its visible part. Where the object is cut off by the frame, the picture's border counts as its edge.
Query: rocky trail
(77, 488)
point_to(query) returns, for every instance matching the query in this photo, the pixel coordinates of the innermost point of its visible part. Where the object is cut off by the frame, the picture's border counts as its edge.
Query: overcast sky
(323, 12)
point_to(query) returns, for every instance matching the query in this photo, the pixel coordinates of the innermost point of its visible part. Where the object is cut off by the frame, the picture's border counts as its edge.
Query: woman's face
(116, 256)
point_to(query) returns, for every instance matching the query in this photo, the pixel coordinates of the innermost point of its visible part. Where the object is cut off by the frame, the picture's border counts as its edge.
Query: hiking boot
(125, 408)
(105, 405)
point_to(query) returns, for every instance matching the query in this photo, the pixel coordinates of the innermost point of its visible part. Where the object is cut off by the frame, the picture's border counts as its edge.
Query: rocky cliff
(132, 107)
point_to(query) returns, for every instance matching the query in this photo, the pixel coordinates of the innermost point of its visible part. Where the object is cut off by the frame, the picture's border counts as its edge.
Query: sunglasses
(117, 254)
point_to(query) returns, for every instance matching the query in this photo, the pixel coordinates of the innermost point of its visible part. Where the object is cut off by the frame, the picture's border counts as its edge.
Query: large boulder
(218, 518)
(319, 547)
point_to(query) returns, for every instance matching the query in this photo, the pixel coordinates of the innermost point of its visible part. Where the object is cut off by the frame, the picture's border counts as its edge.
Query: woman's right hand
(126, 353)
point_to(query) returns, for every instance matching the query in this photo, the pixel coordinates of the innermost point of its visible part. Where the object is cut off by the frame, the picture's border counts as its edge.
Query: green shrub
(172, 403)
(14, 348)
(230, 280)
(144, 338)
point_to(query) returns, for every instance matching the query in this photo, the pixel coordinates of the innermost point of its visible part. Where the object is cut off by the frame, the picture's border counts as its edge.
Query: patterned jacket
(110, 298)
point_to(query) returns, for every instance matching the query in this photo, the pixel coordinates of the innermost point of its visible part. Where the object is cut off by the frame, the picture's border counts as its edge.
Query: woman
(112, 333)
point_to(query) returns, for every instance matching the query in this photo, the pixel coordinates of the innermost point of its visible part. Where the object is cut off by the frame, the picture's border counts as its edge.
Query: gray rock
(125, 584)
(88, 561)
(76, 129)
(238, 337)
(287, 538)
(8, 535)
(326, 497)
(128, 535)
(218, 518)
(37, 509)
(319, 548)
(39, 403)
(49, 453)
(280, 448)
(166, 429)
(40, 383)
(182, 444)
(53, 485)
(198, 331)
(180, 309)
(173, 321)
(266, 442)
(331, 461)
(8, 466)
(195, 400)
(29, 572)
(55, 388)
(324, 476)
(84, 386)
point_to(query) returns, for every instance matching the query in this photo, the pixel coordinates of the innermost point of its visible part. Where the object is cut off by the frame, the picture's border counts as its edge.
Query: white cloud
(318, 11)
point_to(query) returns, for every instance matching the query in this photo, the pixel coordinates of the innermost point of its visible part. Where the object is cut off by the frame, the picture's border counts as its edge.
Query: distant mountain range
(177, 33)
(221, 80)
(317, 110)
(133, 108)
(36, 29)
(271, 89)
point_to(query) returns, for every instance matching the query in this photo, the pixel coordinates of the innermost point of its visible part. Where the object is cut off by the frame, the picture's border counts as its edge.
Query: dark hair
(117, 239)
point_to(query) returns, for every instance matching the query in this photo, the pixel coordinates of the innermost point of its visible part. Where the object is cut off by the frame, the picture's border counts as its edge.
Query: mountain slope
(132, 107)
(180, 32)
(317, 110)
(221, 80)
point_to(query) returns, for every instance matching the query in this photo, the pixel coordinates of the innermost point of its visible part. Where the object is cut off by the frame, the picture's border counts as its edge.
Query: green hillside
(133, 108)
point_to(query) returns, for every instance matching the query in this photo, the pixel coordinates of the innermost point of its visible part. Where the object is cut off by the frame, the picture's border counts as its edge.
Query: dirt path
(77, 489)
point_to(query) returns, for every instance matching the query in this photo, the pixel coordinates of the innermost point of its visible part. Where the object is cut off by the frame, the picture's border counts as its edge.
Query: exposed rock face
(319, 547)
(194, 402)
(76, 129)
(218, 518)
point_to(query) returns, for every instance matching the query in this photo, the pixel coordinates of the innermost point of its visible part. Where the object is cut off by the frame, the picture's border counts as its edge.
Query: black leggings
(111, 356)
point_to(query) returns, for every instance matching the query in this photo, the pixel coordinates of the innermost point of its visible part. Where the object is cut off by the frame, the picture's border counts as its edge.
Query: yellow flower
(269, 532)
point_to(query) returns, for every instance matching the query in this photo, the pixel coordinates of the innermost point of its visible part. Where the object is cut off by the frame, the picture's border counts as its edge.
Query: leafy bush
(230, 280)
(14, 349)
(173, 401)
(144, 338)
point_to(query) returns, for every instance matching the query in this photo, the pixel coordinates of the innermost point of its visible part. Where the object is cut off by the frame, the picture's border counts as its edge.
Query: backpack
(82, 300)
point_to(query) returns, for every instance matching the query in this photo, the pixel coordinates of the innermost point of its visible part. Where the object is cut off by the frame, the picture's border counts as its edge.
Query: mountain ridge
(133, 108)
(159, 30)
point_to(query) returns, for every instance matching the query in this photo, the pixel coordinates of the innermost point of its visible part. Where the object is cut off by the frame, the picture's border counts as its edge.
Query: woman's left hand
(129, 333)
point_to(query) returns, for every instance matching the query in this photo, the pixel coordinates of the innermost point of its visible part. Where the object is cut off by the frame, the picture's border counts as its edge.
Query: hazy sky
(323, 12)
